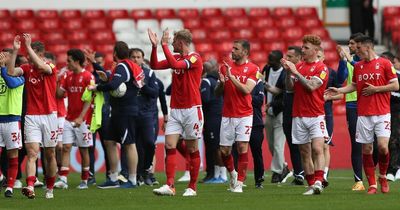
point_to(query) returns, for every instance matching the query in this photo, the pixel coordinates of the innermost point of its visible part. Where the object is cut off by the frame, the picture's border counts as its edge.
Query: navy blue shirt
(332, 82)
(127, 104)
(161, 97)
(212, 105)
(147, 96)
(257, 96)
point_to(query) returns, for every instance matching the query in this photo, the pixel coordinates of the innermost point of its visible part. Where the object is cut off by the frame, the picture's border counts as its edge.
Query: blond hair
(312, 39)
(184, 35)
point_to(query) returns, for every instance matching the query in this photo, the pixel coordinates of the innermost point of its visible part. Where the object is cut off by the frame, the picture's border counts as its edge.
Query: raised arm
(310, 84)
(11, 70)
(42, 66)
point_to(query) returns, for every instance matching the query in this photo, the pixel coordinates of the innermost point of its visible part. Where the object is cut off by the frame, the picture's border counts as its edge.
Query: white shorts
(186, 122)
(304, 129)
(235, 129)
(367, 126)
(10, 135)
(79, 136)
(60, 130)
(41, 129)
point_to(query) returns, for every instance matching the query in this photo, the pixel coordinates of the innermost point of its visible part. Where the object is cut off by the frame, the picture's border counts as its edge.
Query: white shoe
(49, 194)
(390, 177)
(238, 188)
(82, 186)
(60, 184)
(318, 187)
(122, 178)
(189, 192)
(233, 182)
(309, 191)
(164, 190)
(38, 183)
(185, 177)
(17, 184)
(397, 176)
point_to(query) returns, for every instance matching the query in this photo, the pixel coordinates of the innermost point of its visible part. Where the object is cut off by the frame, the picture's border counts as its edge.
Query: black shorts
(121, 129)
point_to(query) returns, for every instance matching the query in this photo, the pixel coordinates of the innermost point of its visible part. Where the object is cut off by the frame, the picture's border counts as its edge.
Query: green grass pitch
(211, 196)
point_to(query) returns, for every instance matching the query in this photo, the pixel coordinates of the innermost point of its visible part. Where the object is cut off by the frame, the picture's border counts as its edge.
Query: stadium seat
(49, 24)
(282, 12)
(164, 14)
(130, 37)
(172, 24)
(320, 31)
(298, 43)
(203, 47)
(259, 12)
(120, 25)
(234, 12)
(275, 45)
(328, 45)
(292, 33)
(82, 45)
(192, 23)
(117, 14)
(104, 48)
(97, 23)
(286, 22)
(7, 36)
(53, 36)
(188, 13)
(103, 36)
(237, 22)
(61, 59)
(243, 33)
(47, 14)
(263, 22)
(331, 56)
(25, 24)
(77, 35)
(305, 12)
(224, 47)
(93, 14)
(141, 14)
(391, 24)
(68, 14)
(199, 34)
(58, 48)
(211, 12)
(255, 45)
(395, 35)
(308, 23)
(219, 34)
(4, 14)
(35, 34)
(72, 24)
(258, 57)
(144, 24)
(6, 24)
(23, 14)
(213, 22)
(389, 12)
(209, 55)
(269, 34)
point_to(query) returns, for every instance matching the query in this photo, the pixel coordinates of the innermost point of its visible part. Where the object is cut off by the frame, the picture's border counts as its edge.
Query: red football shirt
(185, 92)
(61, 111)
(74, 85)
(377, 72)
(236, 104)
(306, 103)
(41, 90)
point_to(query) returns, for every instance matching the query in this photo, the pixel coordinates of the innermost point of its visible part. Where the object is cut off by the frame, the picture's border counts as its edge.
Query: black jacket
(277, 100)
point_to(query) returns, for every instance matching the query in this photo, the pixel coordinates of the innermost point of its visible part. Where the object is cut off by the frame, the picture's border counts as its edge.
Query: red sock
(12, 171)
(84, 175)
(181, 147)
(63, 172)
(170, 164)
(319, 175)
(243, 161)
(310, 179)
(228, 162)
(383, 163)
(30, 181)
(369, 168)
(50, 182)
(194, 169)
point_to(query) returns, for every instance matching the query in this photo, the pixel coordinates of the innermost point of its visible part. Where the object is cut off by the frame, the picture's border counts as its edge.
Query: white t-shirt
(272, 79)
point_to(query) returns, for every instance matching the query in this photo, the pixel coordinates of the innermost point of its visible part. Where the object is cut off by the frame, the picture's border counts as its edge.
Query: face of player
(396, 63)
(137, 57)
(177, 44)
(352, 46)
(308, 51)
(274, 62)
(320, 56)
(362, 50)
(100, 60)
(71, 64)
(292, 57)
(238, 52)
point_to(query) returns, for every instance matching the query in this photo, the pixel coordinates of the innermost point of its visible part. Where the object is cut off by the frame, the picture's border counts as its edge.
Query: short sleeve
(322, 73)
(390, 72)
(253, 74)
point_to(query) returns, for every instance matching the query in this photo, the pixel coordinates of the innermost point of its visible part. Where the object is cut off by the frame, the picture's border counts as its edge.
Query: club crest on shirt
(80, 79)
(377, 66)
(362, 66)
(393, 70)
(312, 69)
(245, 69)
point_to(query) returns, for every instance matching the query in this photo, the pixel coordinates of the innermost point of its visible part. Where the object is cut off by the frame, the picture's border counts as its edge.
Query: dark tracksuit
(212, 110)
(257, 132)
(332, 82)
(394, 142)
(164, 107)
